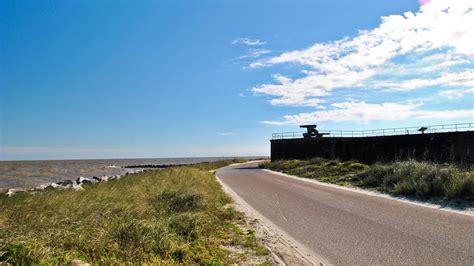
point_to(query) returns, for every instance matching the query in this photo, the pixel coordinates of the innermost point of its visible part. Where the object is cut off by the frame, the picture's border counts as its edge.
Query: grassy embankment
(409, 178)
(176, 215)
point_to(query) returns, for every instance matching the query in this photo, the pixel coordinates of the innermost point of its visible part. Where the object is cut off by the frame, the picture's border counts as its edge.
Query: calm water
(27, 174)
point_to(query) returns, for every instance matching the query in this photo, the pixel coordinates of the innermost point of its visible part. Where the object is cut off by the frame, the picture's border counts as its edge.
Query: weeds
(411, 178)
(421, 179)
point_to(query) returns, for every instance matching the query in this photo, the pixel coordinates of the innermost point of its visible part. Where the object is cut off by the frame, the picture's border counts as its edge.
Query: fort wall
(457, 147)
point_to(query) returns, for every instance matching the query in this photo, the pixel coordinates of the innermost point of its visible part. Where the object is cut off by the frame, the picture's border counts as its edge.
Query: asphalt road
(346, 227)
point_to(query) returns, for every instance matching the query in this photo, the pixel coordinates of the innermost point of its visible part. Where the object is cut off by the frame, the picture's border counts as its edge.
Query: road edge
(376, 194)
(285, 249)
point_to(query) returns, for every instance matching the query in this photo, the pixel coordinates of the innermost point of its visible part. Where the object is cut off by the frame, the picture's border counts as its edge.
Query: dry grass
(177, 215)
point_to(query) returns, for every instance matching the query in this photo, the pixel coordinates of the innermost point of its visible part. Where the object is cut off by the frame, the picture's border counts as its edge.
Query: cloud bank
(430, 49)
(364, 112)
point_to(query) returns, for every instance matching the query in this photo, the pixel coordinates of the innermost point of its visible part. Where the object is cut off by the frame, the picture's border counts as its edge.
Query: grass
(172, 216)
(215, 165)
(410, 178)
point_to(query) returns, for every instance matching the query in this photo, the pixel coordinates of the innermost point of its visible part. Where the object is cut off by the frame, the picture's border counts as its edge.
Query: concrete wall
(438, 147)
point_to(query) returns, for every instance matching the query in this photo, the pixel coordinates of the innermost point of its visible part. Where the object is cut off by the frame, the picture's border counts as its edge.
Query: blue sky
(103, 79)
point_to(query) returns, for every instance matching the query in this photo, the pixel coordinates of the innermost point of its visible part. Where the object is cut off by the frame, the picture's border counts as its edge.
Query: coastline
(27, 175)
(183, 218)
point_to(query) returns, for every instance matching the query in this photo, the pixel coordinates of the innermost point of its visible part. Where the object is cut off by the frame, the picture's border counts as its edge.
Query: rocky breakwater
(70, 184)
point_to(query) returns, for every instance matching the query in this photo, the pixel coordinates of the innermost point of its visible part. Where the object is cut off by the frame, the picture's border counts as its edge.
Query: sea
(28, 174)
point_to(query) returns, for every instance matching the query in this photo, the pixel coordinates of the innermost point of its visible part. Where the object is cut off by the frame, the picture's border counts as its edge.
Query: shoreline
(183, 212)
(27, 175)
(77, 181)
(69, 184)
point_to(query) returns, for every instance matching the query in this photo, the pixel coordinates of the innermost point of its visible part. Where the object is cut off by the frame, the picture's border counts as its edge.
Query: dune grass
(172, 216)
(410, 178)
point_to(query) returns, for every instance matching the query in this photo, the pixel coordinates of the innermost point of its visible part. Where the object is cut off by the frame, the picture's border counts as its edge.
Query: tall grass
(411, 178)
(177, 215)
(421, 179)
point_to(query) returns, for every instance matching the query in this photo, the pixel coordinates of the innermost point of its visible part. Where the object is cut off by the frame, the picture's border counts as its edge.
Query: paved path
(346, 227)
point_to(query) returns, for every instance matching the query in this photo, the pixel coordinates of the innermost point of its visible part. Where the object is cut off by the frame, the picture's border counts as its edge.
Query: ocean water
(28, 174)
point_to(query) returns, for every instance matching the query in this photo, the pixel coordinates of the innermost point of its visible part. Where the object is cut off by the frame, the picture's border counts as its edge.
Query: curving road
(346, 227)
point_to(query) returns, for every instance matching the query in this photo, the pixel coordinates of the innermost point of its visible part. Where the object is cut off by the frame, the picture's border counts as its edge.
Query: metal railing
(381, 132)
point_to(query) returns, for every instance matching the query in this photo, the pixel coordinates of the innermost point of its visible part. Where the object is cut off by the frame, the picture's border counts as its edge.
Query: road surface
(346, 227)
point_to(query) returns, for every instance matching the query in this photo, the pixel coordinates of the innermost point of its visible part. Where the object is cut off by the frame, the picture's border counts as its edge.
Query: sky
(141, 79)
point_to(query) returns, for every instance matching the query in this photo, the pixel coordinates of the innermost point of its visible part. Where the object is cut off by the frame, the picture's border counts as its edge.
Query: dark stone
(66, 183)
(83, 180)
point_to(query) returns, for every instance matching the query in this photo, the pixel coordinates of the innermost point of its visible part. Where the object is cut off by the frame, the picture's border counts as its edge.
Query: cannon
(312, 132)
(422, 129)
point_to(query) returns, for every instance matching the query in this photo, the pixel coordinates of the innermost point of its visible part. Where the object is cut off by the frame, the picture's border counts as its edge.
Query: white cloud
(465, 78)
(363, 112)
(248, 41)
(255, 53)
(455, 94)
(430, 48)
(226, 133)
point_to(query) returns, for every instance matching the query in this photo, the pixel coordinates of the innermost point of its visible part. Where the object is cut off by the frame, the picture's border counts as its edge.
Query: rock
(85, 180)
(67, 183)
(59, 185)
(40, 187)
(79, 180)
(44, 186)
(97, 178)
(79, 263)
(13, 191)
(63, 184)
(77, 187)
